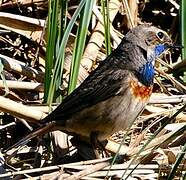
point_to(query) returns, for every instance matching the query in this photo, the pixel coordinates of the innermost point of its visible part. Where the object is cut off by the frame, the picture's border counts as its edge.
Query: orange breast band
(140, 91)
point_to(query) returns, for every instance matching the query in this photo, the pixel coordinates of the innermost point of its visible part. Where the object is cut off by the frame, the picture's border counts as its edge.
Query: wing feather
(99, 87)
(104, 82)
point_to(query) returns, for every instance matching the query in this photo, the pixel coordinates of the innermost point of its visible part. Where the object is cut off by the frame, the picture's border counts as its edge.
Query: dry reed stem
(20, 110)
(124, 150)
(23, 85)
(31, 28)
(13, 65)
(97, 38)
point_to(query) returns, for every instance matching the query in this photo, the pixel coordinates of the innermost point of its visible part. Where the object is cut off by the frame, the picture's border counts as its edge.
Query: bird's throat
(146, 74)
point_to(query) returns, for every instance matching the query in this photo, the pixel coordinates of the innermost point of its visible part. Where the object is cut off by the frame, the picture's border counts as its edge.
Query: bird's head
(154, 38)
(151, 35)
(150, 42)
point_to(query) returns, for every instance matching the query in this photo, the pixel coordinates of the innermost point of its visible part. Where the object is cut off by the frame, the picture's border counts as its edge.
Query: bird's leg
(94, 142)
(97, 144)
(84, 148)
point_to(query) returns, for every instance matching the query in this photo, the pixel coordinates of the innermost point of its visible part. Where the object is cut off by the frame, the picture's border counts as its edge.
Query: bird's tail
(54, 117)
(39, 132)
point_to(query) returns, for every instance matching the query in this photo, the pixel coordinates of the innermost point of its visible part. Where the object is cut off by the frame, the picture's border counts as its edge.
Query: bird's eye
(160, 35)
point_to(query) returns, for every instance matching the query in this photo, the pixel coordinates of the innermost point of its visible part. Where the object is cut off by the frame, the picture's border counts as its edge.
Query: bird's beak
(175, 46)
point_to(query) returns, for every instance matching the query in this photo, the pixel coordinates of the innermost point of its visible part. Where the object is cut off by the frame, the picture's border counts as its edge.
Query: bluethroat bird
(116, 92)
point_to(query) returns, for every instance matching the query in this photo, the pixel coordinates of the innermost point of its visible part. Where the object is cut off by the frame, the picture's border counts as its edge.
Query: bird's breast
(139, 90)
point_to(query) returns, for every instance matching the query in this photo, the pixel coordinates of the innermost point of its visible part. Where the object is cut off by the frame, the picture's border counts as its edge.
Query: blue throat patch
(146, 72)
(159, 49)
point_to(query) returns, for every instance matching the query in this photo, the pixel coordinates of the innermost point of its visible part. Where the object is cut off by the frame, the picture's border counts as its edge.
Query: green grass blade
(183, 28)
(58, 68)
(183, 32)
(3, 78)
(179, 158)
(80, 44)
(105, 12)
(51, 43)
